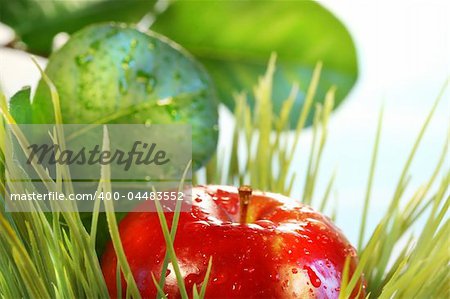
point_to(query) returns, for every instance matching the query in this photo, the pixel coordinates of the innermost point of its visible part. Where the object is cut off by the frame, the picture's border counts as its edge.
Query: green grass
(53, 256)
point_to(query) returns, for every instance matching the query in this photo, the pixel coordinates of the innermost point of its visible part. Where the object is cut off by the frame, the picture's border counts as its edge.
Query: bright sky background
(404, 54)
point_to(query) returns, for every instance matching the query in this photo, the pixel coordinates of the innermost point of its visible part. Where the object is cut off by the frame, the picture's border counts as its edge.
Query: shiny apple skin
(287, 250)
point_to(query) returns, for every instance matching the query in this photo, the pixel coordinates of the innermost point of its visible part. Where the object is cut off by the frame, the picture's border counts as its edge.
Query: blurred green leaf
(20, 106)
(234, 40)
(36, 22)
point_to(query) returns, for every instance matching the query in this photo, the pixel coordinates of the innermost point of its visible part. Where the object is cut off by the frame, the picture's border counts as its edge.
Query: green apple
(115, 74)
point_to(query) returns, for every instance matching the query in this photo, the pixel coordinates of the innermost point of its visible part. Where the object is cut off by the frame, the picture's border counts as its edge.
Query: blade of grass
(28, 271)
(171, 250)
(206, 279)
(398, 191)
(159, 290)
(118, 279)
(362, 229)
(112, 222)
(326, 196)
(173, 230)
(195, 294)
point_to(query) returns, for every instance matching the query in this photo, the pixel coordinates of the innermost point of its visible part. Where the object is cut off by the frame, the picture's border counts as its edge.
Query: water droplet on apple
(265, 223)
(83, 59)
(197, 225)
(219, 279)
(95, 45)
(315, 281)
(249, 270)
(275, 277)
(236, 287)
(193, 278)
(227, 201)
(324, 239)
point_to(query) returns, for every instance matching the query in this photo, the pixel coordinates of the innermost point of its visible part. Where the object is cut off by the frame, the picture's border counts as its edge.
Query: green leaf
(234, 40)
(20, 106)
(36, 22)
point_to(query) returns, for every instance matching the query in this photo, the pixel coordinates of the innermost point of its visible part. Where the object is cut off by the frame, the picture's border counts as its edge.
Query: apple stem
(245, 193)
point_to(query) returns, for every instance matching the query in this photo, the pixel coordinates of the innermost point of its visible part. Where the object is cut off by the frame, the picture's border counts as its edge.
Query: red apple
(274, 247)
